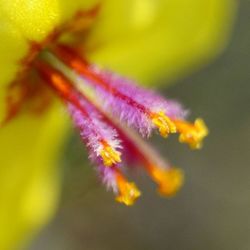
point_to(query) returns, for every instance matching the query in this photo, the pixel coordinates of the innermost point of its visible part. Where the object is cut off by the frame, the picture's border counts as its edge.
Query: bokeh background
(211, 211)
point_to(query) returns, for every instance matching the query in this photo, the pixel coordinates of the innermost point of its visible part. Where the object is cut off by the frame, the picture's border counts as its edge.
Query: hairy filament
(140, 108)
(101, 139)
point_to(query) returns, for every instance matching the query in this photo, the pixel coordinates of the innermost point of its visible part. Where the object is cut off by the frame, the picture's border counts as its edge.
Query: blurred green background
(213, 209)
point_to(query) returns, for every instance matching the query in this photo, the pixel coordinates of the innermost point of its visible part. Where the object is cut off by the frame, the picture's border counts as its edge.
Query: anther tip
(129, 193)
(169, 181)
(110, 156)
(192, 134)
(164, 124)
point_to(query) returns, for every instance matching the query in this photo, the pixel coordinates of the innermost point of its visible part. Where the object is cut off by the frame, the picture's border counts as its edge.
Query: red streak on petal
(25, 96)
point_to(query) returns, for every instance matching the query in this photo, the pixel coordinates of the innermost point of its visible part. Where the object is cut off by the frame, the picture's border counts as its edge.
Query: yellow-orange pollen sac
(128, 191)
(163, 123)
(110, 156)
(192, 134)
(169, 180)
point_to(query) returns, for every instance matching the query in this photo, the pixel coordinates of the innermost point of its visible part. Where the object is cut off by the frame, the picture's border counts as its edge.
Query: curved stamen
(137, 106)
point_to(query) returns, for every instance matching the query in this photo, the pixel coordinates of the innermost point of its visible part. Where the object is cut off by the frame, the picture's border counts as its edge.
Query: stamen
(134, 105)
(164, 124)
(169, 180)
(128, 193)
(138, 107)
(192, 134)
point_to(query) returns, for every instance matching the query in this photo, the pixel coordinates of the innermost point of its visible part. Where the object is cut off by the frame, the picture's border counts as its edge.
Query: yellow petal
(28, 174)
(149, 39)
(173, 35)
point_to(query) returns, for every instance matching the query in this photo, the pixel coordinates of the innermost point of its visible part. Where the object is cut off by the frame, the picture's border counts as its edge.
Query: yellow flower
(143, 39)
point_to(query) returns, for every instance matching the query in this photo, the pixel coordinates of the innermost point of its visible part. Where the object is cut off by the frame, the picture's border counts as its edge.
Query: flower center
(106, 120)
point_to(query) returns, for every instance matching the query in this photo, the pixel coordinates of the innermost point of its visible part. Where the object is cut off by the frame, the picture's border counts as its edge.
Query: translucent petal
(146, 39)
(28, 174)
